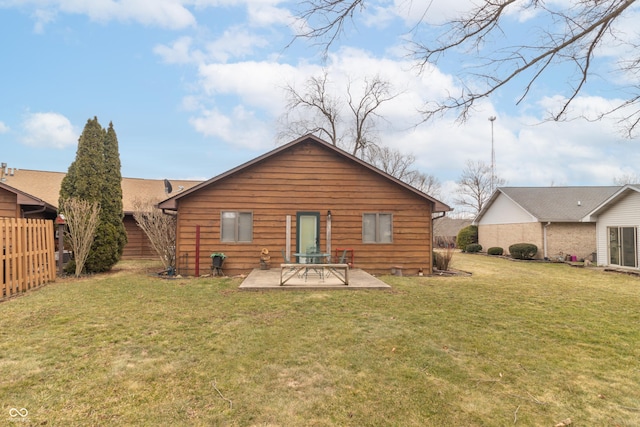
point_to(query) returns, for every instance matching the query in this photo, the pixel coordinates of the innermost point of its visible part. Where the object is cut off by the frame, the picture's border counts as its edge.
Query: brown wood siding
(8, 204)
(306, 178)
(138, 245)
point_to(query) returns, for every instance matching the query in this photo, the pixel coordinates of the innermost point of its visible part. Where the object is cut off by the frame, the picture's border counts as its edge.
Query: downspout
(437, 217)
(42, 209)
(544, 239)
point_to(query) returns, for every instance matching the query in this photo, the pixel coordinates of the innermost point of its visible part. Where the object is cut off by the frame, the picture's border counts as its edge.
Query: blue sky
(194, 88)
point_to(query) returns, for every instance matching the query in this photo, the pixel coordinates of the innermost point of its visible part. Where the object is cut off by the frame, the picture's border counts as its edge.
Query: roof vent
(579, 203)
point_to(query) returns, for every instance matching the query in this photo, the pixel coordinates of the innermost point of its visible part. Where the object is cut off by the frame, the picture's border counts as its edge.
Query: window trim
(378, 231)
(236, 227)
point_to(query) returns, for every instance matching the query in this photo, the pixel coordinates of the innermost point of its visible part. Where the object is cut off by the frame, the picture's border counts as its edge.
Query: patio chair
(284, 257)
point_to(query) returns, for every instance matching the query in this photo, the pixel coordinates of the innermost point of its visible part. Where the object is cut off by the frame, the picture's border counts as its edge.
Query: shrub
(473, 248)
(467, 236)
(523, 250)
(495, 251)
(442, 259)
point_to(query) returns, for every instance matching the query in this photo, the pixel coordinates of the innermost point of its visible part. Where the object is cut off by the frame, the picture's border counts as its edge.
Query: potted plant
(218, 259)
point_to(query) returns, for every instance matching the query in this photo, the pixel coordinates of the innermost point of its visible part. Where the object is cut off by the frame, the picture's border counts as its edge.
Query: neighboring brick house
(34, 194)
(553, 218)
(617, 223)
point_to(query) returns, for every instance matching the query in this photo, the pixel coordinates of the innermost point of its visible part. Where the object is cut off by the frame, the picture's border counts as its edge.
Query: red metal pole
(197, 251)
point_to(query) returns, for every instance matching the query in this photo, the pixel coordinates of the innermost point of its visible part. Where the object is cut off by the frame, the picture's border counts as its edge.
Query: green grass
(516, 343)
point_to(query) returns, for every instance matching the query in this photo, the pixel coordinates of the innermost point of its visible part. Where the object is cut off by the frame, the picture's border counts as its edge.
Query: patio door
(622, 246)
(307, 232)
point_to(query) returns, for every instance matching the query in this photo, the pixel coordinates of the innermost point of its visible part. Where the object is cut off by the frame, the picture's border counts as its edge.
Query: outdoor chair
(284, 257)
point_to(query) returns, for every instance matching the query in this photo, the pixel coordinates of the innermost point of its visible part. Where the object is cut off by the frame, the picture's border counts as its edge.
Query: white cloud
(265, 15)
(3, 128)
(239, 128)
(48, 130)
(171, 14)
(179, 52)
(256, 83)
(235, 42)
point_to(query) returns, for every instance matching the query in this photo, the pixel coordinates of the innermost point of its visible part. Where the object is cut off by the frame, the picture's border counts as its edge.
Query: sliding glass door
(622, 246)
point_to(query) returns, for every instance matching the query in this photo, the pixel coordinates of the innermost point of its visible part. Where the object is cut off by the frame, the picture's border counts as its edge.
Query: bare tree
(389, 160)
(364, 109)
(400, 166)
(474, 186)
(159, 227)
(316, 110)
(562, 42)
(82, 219)
(629, 178)
(425, 182)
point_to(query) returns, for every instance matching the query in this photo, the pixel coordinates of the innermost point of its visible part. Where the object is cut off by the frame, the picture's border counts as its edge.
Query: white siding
(504, 211)
(625, 212)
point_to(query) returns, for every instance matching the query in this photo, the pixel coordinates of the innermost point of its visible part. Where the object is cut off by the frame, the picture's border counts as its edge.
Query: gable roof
(556, 204)
(445, 226)
(25, 199)
(45, 186)
(611, 200)
(170, 203)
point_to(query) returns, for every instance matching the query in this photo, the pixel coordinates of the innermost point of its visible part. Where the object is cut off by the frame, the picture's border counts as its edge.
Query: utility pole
(493, 156)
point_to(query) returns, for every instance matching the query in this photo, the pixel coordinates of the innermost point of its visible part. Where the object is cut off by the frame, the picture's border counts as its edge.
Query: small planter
(217, 259)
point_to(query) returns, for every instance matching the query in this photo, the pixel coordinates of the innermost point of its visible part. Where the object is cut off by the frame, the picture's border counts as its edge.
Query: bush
(473, 248)
(495, 251)
(523, 250)
(467, 236)
(442, 259)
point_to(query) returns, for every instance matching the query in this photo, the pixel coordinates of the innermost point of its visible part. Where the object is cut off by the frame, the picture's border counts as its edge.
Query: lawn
(516, 343)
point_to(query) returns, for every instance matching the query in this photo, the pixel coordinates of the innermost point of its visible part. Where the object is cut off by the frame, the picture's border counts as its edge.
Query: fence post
(60, 221)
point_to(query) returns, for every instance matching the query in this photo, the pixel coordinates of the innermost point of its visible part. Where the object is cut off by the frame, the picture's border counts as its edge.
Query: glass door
(628, 246)
(614, 246)
(622, 246)
(307, 233)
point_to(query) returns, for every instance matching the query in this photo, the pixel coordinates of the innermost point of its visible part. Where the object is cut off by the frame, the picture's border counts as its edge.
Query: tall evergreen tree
(85, 175)
(95, 176)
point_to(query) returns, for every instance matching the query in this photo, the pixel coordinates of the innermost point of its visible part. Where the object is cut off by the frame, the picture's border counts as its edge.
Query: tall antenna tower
(493, 157)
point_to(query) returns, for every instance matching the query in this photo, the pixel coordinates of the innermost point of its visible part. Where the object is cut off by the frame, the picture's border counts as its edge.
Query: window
(236, 227)
(377, 228)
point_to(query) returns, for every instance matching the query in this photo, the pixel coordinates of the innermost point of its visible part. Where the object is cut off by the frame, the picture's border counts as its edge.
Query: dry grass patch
(514, 344)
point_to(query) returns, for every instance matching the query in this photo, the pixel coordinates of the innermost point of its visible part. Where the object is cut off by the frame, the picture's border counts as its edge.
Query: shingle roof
(446, 226)
(561, 204)
(46, 186)
(439, 206)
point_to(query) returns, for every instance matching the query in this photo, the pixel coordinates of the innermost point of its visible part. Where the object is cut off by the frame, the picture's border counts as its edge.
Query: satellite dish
(167, 187)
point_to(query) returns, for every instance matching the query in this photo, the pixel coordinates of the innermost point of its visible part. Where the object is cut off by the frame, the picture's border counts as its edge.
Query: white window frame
(620, 241)
(378, 224)
(226, 217)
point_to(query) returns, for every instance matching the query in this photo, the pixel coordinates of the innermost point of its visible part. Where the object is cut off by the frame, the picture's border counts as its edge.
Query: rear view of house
(305, 194)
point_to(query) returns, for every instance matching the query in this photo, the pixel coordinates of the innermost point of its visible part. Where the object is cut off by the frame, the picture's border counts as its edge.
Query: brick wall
(571, 239)
(505, 235)
(562, 238)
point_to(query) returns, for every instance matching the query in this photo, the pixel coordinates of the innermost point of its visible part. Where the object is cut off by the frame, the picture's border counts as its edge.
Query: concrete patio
(270, 279)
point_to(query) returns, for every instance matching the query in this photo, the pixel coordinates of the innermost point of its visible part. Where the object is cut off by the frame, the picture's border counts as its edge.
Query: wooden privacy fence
(28, 255)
